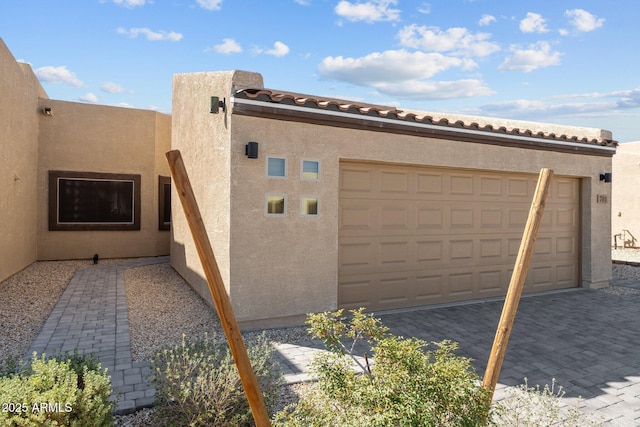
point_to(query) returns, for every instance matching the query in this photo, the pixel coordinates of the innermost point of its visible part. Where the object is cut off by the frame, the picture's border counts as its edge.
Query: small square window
(276, 205)
(276, 167)
(310, 170)
(309, 205)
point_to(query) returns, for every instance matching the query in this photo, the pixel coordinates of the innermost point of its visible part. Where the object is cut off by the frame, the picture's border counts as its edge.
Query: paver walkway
(91, 316)
(588, 340)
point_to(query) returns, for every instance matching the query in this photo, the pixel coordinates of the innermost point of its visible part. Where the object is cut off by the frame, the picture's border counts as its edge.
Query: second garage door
(413, 235)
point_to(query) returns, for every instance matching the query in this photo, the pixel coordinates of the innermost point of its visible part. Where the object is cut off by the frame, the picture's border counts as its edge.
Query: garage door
(414, 235)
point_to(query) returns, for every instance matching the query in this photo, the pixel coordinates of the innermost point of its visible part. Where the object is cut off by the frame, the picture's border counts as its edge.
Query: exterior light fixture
(251, 150)
(216, 104)
(47, 111)
(605, 177)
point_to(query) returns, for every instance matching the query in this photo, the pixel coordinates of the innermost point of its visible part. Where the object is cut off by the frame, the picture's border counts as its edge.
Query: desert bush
(197, 383)
(525, 406)
(62, 390)
(406, 386)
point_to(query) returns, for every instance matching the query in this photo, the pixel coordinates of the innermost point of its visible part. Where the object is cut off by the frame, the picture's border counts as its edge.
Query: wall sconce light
(216, 104)
(47, 111)
(251, 150)
(605, 177)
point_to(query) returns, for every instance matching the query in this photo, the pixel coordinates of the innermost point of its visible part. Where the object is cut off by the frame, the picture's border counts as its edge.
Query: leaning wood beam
(217, 289)
(517, 282)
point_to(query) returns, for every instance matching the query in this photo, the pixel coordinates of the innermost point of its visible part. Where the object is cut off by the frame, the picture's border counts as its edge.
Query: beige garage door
(414, 235)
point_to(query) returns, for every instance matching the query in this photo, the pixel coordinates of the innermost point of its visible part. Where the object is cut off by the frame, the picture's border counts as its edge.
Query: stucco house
(314, 203)
(77, 179)
(310, 203)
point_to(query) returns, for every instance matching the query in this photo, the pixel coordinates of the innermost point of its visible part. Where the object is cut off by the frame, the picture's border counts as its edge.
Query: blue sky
(565, 62)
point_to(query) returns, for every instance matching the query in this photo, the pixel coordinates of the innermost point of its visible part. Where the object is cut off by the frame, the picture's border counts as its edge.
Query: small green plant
(405, 386)
(525, 406)
(11, 365)
(55, 391)
(197, 383)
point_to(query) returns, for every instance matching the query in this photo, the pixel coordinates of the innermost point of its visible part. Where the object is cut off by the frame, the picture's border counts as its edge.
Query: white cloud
(389, 66)
(520, 108)
(279, 49)
(425, 8)
(57, 75)
(210, 4)
(129, 3)
(111, 87)
(583, 21)
(227, 47)
(150, 35)
(402, 74)
(486, 19)
(457, 41)
(303, 2)
(533, 23)
(369, 11)
(590, 102)
(421, 89)
(89, 97)
(536, 56)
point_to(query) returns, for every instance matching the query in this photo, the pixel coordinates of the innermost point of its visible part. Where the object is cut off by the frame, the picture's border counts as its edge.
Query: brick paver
(587, 340)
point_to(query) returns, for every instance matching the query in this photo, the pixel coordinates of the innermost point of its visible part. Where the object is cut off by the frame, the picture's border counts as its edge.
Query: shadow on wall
(624, 239)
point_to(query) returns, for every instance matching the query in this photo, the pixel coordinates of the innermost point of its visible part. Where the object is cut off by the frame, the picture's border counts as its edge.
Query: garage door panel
(490, 218)
(519, 189)
(429, 287)
(411, 235)
(356, 217)
(429, 183)
(394, 182)
(394, 254)
(356, 180)
(567, 218)
(356, 293)
(396, 291)
(429, 217)
(396, 218)
(491, 281)
(461, 184)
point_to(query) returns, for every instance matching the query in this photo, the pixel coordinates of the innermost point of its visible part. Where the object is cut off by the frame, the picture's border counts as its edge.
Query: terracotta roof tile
(468, 122)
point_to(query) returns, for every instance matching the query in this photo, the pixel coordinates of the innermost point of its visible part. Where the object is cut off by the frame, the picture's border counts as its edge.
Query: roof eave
(355, 119)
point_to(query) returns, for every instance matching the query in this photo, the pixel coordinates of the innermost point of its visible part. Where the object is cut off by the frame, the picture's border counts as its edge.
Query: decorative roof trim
(301, 108)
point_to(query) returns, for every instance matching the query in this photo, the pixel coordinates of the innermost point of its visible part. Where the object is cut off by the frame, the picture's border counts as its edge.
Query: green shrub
(406, 386)
(197, 384)
(62, 391)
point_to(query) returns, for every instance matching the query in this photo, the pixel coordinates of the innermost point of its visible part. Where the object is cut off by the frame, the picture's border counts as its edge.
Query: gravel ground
(161, 306)
(24, 306)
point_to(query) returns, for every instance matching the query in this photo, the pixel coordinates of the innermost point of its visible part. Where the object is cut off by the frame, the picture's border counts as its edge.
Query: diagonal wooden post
(217, 289)
(517, 282)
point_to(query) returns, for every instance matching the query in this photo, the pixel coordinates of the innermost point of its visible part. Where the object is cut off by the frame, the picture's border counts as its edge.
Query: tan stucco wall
(203, 140)
(625, 204)
(19, 91)
(94, 138)
(279, 269)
